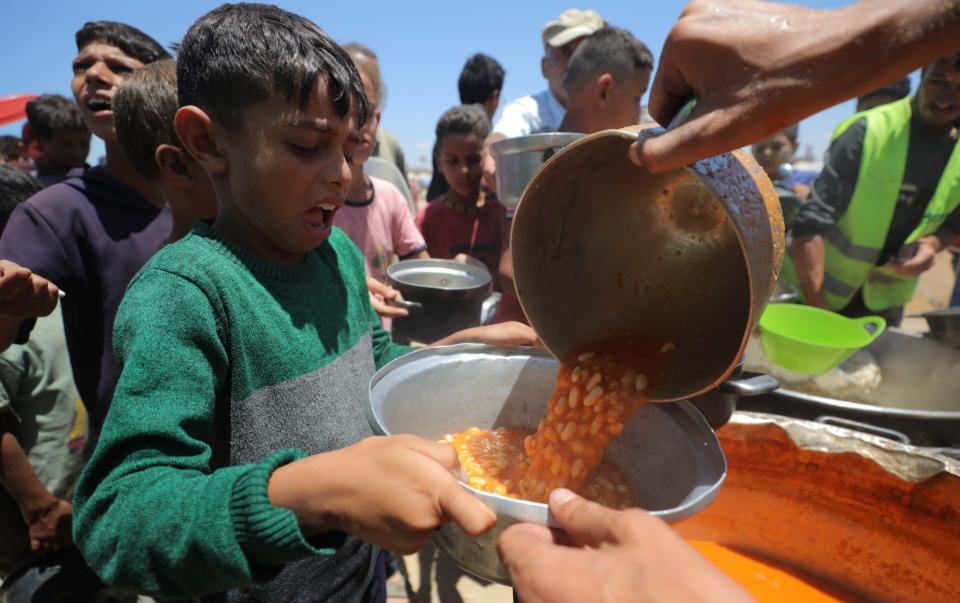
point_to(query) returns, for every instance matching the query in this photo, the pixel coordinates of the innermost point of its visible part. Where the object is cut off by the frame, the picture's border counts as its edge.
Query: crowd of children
(214, 294)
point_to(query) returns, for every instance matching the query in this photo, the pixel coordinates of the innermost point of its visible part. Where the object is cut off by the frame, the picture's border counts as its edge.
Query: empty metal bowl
(670, 456)
(519, 158)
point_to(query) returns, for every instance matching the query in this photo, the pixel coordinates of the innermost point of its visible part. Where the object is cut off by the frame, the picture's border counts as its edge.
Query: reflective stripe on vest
(856, 241)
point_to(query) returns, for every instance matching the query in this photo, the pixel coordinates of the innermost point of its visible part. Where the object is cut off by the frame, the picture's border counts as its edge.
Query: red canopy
(14, 107)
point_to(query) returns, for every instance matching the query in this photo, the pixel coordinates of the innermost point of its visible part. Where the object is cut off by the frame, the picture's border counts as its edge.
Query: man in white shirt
(543, 112)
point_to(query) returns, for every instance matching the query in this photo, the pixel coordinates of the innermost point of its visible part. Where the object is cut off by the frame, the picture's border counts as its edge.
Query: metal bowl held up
(669, 454)
(519, 158)
(442, 297)
(683, 262)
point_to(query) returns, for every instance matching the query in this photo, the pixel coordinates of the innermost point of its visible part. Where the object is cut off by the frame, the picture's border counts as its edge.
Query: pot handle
(410, 306)
(751, 386)
(883, 432)
(873, 325)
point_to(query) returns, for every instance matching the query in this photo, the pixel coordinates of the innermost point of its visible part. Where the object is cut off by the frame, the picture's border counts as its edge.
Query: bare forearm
(19, 478)
(809, 256)
(895, 37)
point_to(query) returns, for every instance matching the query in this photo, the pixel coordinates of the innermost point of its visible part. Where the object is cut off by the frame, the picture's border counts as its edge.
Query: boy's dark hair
(130, 40)
(608, 50)
(464, 119)
(16, 186)
(480, 78)
(51, 112)
(143, 111)
(239, 54)
(9, 147)
(792, 133)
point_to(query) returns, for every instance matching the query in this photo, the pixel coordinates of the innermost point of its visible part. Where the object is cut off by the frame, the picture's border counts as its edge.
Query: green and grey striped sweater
(230, 367)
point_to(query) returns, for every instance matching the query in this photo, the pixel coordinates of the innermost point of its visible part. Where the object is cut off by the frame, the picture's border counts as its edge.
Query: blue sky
(422, 47)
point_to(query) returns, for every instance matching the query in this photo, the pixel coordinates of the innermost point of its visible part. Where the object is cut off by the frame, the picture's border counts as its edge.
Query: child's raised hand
(24, 294)
(390, 491)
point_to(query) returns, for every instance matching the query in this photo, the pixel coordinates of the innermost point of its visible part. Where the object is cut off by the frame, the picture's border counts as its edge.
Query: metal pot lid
(444, 275)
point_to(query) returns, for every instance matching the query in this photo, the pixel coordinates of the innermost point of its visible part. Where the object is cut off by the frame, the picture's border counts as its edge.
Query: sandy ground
(432, 578)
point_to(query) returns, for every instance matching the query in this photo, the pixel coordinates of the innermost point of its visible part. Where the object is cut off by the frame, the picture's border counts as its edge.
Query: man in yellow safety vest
(885, 203)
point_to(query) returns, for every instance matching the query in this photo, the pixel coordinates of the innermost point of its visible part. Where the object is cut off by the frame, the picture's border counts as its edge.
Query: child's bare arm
(390, 491)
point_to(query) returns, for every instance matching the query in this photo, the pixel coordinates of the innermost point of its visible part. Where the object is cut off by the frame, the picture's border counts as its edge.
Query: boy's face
(461, 161)
(938, 99)
(97, 71)
(65, 149)
(286, 174)
(367, 135)
(773, 152)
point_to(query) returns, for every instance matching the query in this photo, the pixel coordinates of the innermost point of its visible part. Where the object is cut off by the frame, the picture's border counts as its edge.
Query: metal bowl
(671, 457)
(604, 251)
(519, 158)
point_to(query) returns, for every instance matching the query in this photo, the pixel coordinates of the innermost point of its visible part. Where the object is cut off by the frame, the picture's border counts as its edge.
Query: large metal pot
(519, 158)
(944, 325)
(604, 252)
(878, 520)
(442, 297)
(916, 402)
(667, 451)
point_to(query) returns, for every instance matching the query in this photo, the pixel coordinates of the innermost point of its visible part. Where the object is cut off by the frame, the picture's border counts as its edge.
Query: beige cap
(570, 25)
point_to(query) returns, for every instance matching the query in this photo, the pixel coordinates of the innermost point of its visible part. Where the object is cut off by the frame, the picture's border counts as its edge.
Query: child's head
(881, 96)
(107, 52)
(481, 81)
(9, 149)
(460, 135)
(144, 108)
(366, 135)
(16, 186)
(267, 102)
(776, 150)
(62, 140)
(606, 79)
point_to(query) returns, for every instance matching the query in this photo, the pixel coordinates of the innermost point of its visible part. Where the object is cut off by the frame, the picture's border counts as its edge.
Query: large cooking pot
(438, 391)
(916, 402)
(878, 520)
(944, 325)
(441, 296)
(677, 265)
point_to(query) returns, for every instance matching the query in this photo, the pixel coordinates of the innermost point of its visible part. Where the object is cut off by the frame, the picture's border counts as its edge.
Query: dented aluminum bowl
(669, 454)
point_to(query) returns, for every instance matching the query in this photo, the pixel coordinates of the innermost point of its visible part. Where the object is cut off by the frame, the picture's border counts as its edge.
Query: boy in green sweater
(236, 455)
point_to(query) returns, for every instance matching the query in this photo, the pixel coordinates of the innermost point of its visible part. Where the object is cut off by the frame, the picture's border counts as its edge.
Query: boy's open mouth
(98, 104)
(319, 218)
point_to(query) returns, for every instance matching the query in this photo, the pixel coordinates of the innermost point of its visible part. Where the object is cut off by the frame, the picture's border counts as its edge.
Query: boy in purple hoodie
(89, 234)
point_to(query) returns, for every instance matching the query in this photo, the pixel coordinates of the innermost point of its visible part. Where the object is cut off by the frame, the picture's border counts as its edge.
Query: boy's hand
(24, 294)
(381, 295)
(607, 555)
(390, 491)
(501, 334)
(50, 530)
